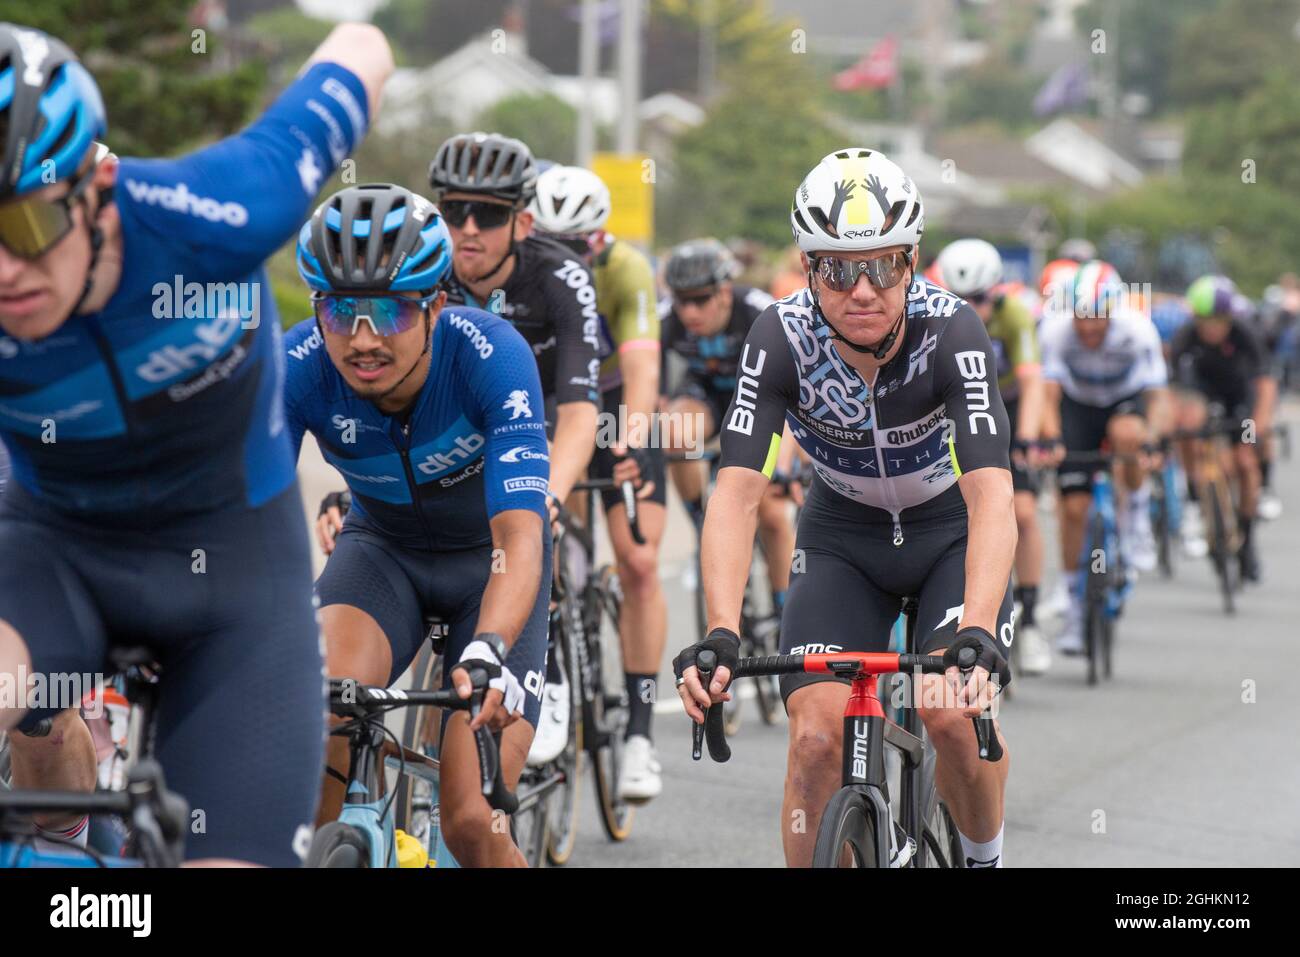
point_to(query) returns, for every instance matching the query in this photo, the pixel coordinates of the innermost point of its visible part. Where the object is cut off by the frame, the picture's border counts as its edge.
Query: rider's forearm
(363, 49)
(1265, 399)
(575, 441)
(726, 551)
(990, 545)
(1051, 411)
(640, 392)
(511, 591)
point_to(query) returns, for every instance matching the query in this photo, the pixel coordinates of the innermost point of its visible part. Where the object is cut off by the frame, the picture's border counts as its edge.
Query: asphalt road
(1187, 757)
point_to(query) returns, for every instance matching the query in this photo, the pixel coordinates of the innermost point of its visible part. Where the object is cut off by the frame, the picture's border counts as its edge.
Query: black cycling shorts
(224, 601)
(716, 402)
(1083, 429)
(1022, 478)
(603, 461)
(400, 587)
(849, 591)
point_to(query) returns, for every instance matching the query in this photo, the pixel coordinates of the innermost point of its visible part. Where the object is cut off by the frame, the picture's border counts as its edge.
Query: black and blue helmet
(340, 248)
(51, 111)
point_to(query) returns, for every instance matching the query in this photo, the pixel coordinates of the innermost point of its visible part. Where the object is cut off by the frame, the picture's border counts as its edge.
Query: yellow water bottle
(410, 852)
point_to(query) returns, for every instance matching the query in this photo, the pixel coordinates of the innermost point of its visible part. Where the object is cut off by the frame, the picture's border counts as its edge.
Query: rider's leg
(813, 765)
(689, 424)
(776, 531)
(63, 760)
(1029, 553)
(356, 648)
(1073, 506)
(643, 620)
(1127, 434)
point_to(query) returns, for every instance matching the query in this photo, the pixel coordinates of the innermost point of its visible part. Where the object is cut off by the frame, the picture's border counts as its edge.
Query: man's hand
(329, 520)
(975, 691)
(504, 702)
(628, 468)
(695, 698)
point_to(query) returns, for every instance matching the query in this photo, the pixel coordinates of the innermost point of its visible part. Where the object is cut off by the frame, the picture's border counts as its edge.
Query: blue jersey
(168, 401)
(471, 444)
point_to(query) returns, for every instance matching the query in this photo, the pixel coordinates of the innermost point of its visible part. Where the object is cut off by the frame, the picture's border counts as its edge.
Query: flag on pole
(875, 71)
(1064, 89)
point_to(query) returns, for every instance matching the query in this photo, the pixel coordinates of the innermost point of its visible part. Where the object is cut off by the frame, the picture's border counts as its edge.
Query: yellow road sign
(630, 178)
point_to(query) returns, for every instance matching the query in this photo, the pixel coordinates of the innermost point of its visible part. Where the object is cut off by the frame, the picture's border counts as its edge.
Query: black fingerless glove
(721, 641)
(987, 653)
(340, 500)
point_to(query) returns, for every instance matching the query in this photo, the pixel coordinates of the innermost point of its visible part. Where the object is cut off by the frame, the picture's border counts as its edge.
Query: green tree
(1230, 50)
(290, 35)
(546, 123)
(993, 90)
(161, 93)
(1257, 137)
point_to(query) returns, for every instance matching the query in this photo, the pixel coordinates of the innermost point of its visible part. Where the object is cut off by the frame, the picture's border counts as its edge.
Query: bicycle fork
(864, 760)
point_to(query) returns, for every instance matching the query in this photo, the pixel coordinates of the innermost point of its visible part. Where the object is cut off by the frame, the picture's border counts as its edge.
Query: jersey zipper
(114, 374)
(886, 483)
(405, 452)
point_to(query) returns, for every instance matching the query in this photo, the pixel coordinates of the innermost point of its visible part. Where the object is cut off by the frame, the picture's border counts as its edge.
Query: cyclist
(706, 319)
(1218, 359)
(153, 496)
(972, 268)
(1105, 381)
(572, 206)
(887, 383)
(434, 417)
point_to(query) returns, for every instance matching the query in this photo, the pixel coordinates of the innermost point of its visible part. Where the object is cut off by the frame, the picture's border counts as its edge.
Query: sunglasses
(697, 299)
(387, 315)
(486, 215)
(883, 272)
(31, 227)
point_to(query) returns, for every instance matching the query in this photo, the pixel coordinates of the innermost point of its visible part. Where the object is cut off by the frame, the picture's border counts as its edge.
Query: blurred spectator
(790, 276)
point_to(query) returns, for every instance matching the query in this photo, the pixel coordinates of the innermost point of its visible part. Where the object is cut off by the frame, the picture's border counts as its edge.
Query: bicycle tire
(942, 845)
(338, 845)
(1160, 526)
(768, 686)
(528, 826)
(412, 810)
(603, 725)
(562, 803)
(1094, 595)
(1220, 549)
(846, 826)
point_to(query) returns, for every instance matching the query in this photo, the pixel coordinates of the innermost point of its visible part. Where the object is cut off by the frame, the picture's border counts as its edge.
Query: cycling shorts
(692, 387)
(853, 580)
(603, 461)
(1022, 478)
(1083, 429)
(224, 601)
(401, 588)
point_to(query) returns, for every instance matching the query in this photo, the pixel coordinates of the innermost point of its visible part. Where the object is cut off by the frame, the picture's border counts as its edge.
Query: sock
(552, 663)
(58, 840)
(641, 693)
(695, 509)
(1191, 491)
(778, 600)
(1266, 473)
(988, 854)
(1027, 595)
(1247, 526)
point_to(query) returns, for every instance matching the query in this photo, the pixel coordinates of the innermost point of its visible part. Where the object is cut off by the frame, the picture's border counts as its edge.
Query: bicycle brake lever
(990, 748)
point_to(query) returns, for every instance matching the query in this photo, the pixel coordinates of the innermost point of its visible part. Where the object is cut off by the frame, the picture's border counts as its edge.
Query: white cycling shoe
(552, 724)
(1035, 653)
(1270, 506)
(1056, 602)
(639, 779)
(1193, 533)
(1070, 640)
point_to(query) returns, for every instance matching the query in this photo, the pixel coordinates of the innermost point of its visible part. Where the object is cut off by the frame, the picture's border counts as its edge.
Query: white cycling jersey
(1128, 361)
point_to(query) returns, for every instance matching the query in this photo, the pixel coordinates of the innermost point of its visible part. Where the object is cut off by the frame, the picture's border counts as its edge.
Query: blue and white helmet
(51, 110)
(376, 237)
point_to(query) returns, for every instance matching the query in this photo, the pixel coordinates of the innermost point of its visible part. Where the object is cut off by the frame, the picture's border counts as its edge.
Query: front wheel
(1221, 550)
(942, 845)
(846, 837)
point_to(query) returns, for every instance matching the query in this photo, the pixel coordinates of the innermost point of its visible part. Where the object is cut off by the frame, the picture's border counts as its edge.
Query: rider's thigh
(941, 603)
(817, 728)
(638, 565)
(371, 577)
(1127, 433)
(690, 423)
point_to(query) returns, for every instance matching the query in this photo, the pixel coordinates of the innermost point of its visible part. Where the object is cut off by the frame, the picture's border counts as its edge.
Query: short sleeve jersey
(629, 314)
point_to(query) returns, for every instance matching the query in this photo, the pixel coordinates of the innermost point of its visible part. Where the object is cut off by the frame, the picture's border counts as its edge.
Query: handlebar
(626, 489)
(843, 664)
(351, 700)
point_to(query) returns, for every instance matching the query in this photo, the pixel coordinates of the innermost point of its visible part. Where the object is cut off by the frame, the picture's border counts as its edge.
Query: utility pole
(708, 48)
(629, 73)
(588, 64)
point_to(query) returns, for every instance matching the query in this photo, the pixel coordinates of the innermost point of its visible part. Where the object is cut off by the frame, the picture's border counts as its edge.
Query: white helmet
(570, 200)
(969, 266)
(856, 199)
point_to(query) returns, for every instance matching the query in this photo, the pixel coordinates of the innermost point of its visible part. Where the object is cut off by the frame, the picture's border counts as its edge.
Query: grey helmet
(698, 263)
(487, 163)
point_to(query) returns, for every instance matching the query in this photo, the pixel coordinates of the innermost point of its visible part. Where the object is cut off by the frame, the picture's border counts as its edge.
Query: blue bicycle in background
(1103, 582)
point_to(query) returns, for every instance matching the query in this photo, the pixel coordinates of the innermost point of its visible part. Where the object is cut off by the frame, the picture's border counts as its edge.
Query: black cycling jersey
(551, 301)
(1225, 372)
(711, 361)
(896, 445)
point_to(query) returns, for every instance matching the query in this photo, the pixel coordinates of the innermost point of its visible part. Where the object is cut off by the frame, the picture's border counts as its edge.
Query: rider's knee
(815, 745)
(638, 570)
(1026, 508)
(1127, 432)
(469, 826)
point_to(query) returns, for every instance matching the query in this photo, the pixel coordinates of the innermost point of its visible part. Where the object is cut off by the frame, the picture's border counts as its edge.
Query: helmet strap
(504, 259)
(878, 351)
(96, 244)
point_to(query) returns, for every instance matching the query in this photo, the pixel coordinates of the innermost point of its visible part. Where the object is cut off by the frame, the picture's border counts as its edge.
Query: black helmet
(698, 263)
(378, 237)
(486, 163)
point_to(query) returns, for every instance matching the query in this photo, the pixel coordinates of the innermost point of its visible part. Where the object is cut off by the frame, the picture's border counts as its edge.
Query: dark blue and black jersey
(167, 401)
(472, 444)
